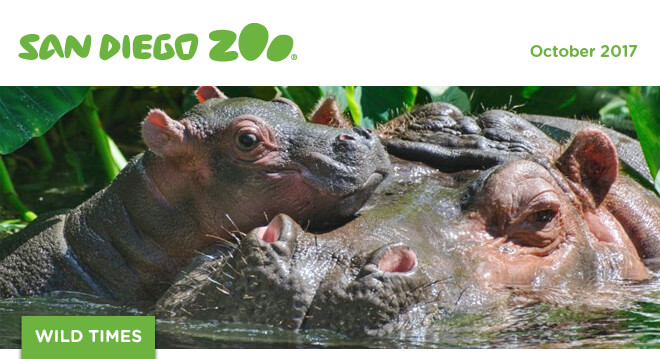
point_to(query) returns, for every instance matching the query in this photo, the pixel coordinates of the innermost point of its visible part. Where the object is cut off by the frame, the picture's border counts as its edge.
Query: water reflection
(635, 324)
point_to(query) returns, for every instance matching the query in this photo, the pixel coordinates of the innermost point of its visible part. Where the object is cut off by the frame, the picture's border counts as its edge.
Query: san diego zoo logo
(253, 41)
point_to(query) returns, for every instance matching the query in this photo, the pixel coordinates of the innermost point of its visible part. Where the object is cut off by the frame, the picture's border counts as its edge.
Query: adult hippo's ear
(327, 113)
(204, 93)
(590, 162)
(163, 135)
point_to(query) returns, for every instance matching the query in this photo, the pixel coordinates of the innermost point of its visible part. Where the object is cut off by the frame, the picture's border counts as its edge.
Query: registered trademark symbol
(294, 57)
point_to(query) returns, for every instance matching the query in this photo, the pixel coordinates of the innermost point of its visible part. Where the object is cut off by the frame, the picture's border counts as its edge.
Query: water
(636, 324)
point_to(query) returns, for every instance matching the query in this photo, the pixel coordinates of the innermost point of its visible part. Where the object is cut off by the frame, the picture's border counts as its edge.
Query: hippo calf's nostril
(363, 132)
(346, 138)
(397, 260)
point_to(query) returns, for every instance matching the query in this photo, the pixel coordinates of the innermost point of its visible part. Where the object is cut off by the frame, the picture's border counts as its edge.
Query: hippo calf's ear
(328, 113)
(204, 93)
(591, 163)
(163, 135)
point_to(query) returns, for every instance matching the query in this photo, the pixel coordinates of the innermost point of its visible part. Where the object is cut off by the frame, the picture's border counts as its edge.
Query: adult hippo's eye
(542, 217)
(247, 141)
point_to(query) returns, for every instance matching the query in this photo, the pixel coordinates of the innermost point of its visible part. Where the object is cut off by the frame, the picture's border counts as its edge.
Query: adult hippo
(512, 216)
(225, 167)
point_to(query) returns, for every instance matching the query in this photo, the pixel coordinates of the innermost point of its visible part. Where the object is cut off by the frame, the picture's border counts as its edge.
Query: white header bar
(345, 42)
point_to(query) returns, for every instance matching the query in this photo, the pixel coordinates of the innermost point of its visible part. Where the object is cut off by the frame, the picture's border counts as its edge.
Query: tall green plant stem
(10, 194)
(353, 106)
(111, 157)
(43, 150)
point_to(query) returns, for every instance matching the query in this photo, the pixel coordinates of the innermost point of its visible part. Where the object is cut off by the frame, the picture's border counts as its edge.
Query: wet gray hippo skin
(533, 222)
(228, 165)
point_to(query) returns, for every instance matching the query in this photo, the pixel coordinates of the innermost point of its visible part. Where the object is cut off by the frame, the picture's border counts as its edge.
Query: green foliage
(27, 112)
(367, 105)
(8, 191)
(113, 160)
(380, 104)
(11, 225)
(306, 97)
(448, 94)
(644, 105)
(616, 114)
(557, 101)
(353, 106)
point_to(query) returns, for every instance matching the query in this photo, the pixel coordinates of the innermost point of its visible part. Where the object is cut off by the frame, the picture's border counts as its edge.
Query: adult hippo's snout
(378, 298)
(255, 280)
(281, 275)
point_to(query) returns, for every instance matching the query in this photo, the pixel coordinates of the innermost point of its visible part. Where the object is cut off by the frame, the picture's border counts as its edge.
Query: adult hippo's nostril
(398, 259)
(392, 258)
(270, 233)
(280, 229)
(395, 258)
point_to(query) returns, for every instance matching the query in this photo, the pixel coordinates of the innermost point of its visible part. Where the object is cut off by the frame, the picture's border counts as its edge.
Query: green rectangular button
(99, 337)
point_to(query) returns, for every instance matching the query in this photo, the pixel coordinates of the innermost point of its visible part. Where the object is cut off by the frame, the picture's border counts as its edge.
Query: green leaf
(644, 106)
(529, 91)
(449, 94)
(380, 104)
(548, 100)
(367, 105)
(615, 114)
(338, 93)
(307, 97)
(12, 225)
(27, 112)
(353, 104)
(111, 157)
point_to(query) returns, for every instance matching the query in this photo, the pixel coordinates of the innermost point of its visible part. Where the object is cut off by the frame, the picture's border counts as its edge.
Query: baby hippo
(228, 165)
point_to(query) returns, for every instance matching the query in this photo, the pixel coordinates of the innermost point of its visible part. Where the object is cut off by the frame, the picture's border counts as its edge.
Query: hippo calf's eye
(247, 141)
